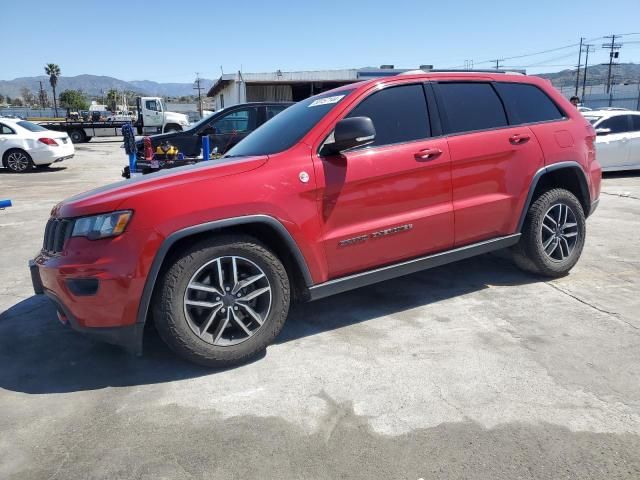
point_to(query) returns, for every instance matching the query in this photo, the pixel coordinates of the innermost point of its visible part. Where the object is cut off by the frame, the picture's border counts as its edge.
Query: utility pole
(498, 60)
(43, 96)
(199, 88)
(586, 65)
(579, 64)
(613, 53)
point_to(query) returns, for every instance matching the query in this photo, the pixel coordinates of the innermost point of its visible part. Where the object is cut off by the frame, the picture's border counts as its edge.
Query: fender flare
(584, 186)
(168, 242)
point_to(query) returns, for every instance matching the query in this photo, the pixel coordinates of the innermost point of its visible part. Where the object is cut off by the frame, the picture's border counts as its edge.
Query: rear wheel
(18, 161)
(77, 136)
(553, 235)
(222, 301)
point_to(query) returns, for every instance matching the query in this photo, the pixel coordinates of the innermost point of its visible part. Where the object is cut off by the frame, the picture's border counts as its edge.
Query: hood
(180, 118)
(112, 196)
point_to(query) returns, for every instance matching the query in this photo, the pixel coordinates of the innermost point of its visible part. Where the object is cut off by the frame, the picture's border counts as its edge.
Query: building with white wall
(231, 89)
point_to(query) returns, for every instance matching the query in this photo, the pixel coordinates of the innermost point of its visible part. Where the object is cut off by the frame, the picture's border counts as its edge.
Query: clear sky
(168, 41)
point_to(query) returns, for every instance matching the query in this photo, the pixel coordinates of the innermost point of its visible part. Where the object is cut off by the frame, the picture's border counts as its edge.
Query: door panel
(634, 143)
(384, 204)
(491, 174)
(612, 150)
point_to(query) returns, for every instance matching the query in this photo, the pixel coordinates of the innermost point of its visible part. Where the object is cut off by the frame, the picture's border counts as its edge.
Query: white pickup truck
(152, 119)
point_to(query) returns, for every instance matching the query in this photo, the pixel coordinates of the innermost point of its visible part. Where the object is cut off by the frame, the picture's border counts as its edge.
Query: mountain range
(97, 85)
(94, 85)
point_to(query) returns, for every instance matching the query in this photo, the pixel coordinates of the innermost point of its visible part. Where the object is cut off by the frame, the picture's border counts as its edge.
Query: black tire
(563, 244)
(18, 161)
(171, 307)
(77, 136)
(172, 128)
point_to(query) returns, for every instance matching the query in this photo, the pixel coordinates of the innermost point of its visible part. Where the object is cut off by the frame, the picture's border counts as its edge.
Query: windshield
(592, 119)
(32, 127)
(288, 127)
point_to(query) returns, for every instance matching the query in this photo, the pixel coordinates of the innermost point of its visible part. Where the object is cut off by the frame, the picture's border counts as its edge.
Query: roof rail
(453, 70)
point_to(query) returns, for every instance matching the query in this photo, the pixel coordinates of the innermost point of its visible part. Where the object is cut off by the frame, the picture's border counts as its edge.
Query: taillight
(48, 141)
(591, 143)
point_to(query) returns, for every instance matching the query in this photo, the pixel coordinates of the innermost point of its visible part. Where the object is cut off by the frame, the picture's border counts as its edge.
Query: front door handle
(519, 138)
(428, 154)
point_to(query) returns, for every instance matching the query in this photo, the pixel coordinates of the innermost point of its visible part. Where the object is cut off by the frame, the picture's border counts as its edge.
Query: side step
(369, 277)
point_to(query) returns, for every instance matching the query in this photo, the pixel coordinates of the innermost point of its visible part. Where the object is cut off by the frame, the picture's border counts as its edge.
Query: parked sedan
(618, 138)
(24, 145)
(225, 129)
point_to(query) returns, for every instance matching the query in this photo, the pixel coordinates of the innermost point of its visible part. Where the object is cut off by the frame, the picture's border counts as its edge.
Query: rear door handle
(428, 154)
(519, 138)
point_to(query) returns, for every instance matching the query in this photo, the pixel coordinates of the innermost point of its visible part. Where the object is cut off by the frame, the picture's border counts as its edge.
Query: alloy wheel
(559, 232)
(17, 161)
(227, 300)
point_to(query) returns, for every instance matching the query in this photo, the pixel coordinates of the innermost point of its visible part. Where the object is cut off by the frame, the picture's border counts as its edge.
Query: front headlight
(101, 226)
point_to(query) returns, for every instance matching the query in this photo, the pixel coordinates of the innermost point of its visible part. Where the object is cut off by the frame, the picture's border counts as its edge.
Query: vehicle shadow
(622, 174)
(6, 171)
(40, 356)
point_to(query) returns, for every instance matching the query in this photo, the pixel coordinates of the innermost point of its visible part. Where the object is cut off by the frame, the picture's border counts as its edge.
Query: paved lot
(473, 370)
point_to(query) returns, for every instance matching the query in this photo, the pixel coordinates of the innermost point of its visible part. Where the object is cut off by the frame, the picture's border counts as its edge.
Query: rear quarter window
(527, 103)
(470, 106)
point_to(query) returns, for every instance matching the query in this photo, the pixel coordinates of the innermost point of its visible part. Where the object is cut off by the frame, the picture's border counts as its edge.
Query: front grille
(56, 233)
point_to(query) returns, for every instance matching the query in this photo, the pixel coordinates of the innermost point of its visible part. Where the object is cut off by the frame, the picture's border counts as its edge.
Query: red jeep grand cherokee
(361, 184)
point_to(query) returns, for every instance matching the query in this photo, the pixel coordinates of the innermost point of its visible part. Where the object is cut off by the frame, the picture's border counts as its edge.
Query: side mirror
(603, 131)
(350, 133)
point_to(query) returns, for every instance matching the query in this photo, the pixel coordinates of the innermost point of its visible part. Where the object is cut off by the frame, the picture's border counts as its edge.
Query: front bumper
(97, 298)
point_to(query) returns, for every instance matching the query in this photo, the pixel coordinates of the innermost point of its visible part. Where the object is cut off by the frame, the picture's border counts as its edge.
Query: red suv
(360, 184)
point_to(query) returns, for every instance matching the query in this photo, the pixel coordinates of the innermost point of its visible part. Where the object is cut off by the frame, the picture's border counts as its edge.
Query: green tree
(74, 100)
(53, 71)
(1, 98)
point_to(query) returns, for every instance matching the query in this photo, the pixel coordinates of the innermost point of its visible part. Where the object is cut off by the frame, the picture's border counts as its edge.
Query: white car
(24, 145)
(618, 138)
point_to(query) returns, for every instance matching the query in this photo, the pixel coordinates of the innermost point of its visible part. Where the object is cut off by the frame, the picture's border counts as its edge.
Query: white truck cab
(155, 119)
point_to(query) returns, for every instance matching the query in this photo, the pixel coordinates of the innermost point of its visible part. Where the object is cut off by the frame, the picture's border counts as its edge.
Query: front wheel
(222, 301)
(553, 235)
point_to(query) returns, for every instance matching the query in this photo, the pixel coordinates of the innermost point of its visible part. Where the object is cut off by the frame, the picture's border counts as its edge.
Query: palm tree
(53, 71)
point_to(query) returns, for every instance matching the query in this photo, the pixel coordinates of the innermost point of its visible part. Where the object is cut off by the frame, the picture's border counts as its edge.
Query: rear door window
(635, 123)
(399, 114)
(527, 103)
(470, 106)
(617, 124)
(4, 130)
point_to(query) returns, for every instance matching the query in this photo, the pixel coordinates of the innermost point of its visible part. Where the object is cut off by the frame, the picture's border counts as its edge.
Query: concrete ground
(474, 370)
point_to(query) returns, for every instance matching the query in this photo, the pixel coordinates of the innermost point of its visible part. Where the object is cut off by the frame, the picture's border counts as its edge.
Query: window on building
(471, 106)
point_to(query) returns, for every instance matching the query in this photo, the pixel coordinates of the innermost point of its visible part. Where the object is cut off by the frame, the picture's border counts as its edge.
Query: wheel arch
(569, 175)
(264, 228)
(170, 127)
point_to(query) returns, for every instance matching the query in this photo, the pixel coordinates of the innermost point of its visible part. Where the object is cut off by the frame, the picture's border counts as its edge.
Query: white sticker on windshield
(326, 100)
